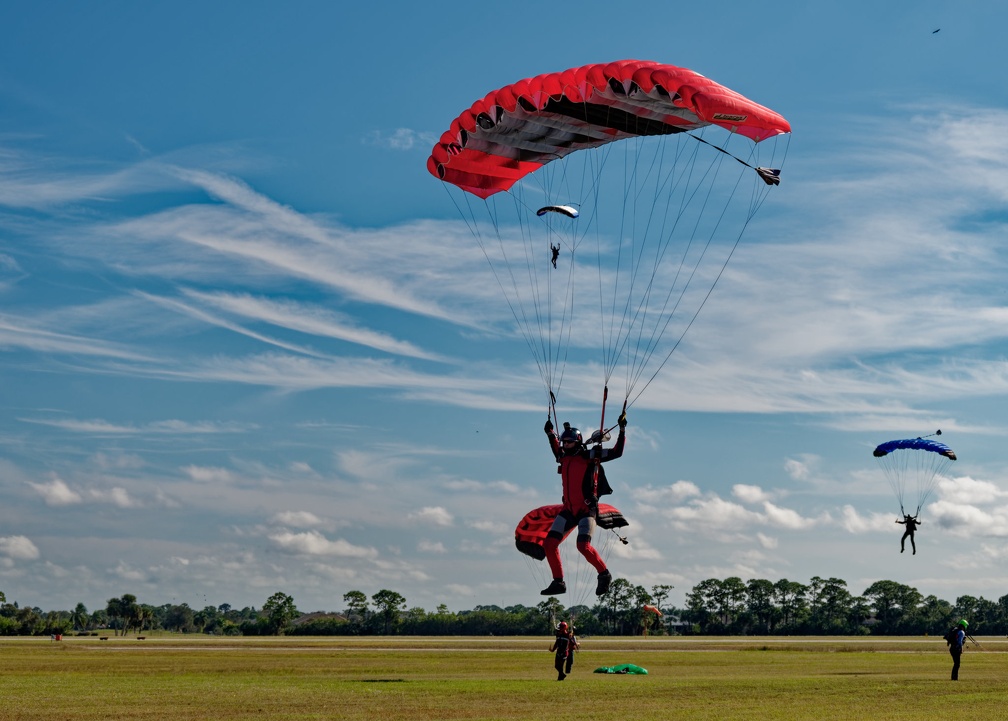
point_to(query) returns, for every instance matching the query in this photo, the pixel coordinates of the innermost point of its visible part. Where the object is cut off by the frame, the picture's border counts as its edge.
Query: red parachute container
(532, 529)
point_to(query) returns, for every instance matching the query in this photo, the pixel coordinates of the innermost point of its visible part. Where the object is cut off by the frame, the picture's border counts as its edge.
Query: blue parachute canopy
(913, 466)
(915, 444)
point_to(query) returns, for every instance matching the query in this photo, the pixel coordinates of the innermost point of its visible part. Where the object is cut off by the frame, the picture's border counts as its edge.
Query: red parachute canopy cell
(515, 130)
(532, 529)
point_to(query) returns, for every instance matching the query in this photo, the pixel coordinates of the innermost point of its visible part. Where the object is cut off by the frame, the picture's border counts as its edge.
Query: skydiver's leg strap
(562, 524)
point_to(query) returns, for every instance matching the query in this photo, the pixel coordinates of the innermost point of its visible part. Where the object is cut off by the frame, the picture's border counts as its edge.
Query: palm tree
(79, 617)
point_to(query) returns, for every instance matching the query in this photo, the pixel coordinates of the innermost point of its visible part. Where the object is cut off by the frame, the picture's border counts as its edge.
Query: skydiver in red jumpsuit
(583, 482)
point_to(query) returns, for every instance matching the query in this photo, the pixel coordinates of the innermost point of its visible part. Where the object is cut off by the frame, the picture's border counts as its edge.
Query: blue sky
(247, 346)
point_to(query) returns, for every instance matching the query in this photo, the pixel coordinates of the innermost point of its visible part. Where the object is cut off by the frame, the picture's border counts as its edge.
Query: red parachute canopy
(515, 130)
(532, 529)
(652, 609)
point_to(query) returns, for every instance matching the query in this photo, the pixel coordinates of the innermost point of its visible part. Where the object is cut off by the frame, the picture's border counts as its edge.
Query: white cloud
(658, 497)
(209, 475)
(436, 547)
(313, 543)
(796, 469)
(749, 494)
(853, 522)
(436, 515)
(712, 513)
(19, 548)
(787, 518)
(57, 493)
(966, 490)
(298, 519)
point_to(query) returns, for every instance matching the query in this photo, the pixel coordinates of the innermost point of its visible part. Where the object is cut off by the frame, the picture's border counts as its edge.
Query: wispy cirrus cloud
(166, 427)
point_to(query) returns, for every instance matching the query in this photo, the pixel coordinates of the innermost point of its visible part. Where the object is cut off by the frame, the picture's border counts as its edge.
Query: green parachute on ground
(622, 668)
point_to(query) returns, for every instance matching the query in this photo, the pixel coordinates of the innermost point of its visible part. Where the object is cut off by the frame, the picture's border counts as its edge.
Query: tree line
(732, 606)
(124, 615)
(727, 606)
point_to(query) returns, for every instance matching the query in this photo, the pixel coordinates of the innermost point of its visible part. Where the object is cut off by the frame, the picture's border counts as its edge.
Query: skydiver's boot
(604, 579)
(554, 589)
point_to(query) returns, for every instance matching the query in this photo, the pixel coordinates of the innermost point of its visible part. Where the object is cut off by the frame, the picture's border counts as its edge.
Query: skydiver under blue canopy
(911, 524)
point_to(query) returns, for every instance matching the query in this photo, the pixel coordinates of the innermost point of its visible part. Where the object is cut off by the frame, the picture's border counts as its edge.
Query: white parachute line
(474, 228)
(658, 331)
(638, 320)
(662, 246)
(636, 260)
(542, 312)
(760, 193)
(752, 211)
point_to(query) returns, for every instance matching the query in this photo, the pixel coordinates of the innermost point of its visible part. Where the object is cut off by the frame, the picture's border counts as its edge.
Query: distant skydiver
(911, 524)
(556, 253)
(583, 481)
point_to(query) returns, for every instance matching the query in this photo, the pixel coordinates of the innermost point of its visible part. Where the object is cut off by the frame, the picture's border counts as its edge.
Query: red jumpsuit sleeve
(554, 442)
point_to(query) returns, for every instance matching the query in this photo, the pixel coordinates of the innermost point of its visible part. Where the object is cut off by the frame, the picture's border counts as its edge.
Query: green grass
(388, 679)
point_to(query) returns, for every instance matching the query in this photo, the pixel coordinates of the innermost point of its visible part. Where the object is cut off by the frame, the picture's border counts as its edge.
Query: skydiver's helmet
(562, 627)
(570, 440)
(964, 623)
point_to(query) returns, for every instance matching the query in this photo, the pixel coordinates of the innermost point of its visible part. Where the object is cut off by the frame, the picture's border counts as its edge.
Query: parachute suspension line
(607, 345)
(469, 218)
(541, 311)
(636, 257)
(663, 243)
(657, 332)
(522, 319)
(762, 194)
(556, 352)
(913, 466)
(640, 357)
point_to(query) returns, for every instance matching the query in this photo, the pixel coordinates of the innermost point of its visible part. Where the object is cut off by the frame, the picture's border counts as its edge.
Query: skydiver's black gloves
(622, 421)
(549, 426)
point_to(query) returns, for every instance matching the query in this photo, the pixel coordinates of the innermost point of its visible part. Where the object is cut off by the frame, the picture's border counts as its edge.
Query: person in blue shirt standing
(956, 639)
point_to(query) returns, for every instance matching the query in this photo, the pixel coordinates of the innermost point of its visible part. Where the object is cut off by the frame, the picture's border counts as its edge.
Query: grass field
(387, 679)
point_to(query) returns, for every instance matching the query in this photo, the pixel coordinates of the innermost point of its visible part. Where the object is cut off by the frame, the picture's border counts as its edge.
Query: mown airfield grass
(392, 678)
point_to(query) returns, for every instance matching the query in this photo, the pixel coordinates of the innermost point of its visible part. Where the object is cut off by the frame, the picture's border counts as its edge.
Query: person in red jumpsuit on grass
(583, 482)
